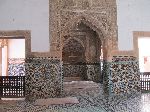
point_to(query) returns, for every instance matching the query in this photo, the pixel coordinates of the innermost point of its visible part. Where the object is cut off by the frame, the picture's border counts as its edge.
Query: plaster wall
(132, 15)
(27, 15)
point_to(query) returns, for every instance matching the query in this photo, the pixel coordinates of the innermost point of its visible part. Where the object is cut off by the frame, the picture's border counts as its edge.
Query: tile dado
(74, 70)
(122, 76)
(94, 72)
(43, 78)
(87, 71)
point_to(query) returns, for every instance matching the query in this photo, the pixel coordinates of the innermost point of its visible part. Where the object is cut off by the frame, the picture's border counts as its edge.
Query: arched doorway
(73, 58)
(73, 52)
(81, 53)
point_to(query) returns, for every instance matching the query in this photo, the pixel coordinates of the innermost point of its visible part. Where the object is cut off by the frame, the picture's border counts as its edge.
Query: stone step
(78, 85)
(56, 101)
(69, 79)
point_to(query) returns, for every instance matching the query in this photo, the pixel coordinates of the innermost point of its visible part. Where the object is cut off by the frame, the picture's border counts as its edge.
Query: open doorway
(144, 54)
(12, 69)
(81, 56)
(144, 62)
(13, 57)
(141, 48)
(73, 60)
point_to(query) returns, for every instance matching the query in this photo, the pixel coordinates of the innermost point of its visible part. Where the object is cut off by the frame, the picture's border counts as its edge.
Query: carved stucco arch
(78, 40)
(91, 22)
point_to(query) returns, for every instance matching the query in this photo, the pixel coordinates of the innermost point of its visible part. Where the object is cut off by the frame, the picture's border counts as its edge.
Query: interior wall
(132, 15)
(27, 15)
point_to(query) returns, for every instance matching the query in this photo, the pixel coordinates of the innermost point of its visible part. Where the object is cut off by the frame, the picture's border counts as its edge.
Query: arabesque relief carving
(99, 15)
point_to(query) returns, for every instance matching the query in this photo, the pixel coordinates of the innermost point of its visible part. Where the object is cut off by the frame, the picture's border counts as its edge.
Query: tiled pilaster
(43, 78)
(122, 76)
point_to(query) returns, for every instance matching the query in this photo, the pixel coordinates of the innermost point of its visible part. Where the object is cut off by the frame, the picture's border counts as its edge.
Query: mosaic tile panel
(74, 70)
(43, 78)
(124, 77)
(16, 67)
(121, 76)
(87, 71)
(94, 72)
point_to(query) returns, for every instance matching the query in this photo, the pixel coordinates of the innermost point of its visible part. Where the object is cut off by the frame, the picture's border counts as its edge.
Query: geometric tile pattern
(43, 78)
(124, 77)
(74, 70)
(93, 72)
(87, 71)
(16, 67)
(121, 76)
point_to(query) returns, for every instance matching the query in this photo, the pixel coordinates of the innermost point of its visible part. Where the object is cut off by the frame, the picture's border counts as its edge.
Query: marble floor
(91, 99)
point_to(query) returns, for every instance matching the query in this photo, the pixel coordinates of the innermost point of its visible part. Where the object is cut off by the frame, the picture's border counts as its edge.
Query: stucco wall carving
(99, 15)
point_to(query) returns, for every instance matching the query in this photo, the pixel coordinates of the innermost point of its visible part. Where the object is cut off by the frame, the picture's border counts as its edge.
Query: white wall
(133, 15)
(16, 48)
(27, 15)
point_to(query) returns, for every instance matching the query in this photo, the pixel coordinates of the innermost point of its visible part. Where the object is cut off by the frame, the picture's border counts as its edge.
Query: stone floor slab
(57, 101)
